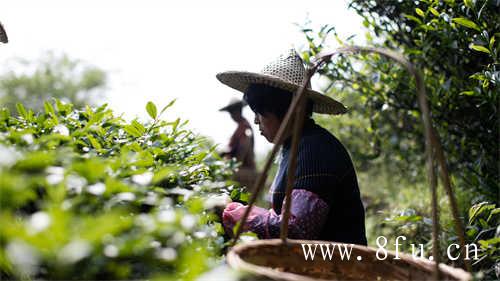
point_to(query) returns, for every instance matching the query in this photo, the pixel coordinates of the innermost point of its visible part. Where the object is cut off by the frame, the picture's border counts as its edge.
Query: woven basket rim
(236, 262)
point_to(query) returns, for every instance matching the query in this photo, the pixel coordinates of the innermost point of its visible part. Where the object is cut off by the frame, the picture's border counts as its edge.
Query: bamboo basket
(273, 259)
(283, 259)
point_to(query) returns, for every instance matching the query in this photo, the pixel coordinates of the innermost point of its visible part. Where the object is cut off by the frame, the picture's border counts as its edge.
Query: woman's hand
(256, 221)
(231, 215)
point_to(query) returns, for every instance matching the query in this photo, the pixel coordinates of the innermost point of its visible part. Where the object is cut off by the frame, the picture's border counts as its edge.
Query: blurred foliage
(51, 76)
(441, 38)
(482, 230)
(88, 195)
(455, 45)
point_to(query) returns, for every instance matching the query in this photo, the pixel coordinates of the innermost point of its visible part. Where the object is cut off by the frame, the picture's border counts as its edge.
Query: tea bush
(482, 229)
(88, 195)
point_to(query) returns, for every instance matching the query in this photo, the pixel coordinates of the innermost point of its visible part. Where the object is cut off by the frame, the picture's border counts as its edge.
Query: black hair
(268, 99)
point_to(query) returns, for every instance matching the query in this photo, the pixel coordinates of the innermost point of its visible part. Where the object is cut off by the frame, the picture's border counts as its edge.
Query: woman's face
(268, 125)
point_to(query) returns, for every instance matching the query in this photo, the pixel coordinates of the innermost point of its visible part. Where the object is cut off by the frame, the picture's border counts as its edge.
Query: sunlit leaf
(420, 12)
(151, 109)
(21, 110)
(413, 18)
(479, 48)
(466, 22)
(434, 11)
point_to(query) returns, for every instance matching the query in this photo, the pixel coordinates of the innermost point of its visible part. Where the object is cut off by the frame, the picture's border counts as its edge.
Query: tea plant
(85, 194)
(482, 229)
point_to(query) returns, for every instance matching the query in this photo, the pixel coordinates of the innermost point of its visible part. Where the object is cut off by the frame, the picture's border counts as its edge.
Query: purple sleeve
(308, 215)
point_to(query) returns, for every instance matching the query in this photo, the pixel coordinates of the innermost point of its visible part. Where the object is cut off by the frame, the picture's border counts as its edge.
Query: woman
(326, 201)
(241, 144)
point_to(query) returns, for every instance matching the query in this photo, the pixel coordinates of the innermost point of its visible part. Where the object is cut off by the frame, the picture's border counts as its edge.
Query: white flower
(151, 198)
(194, 168)
(216, 273)
(23, 257)
(188, 222)
(97, 189)
(54, 178)
(143, 179)
(66, 204)
(55, 170)
(155, 244)
(168, 254)
(167, 216)
(28, 138)
(61, 129)
(217, 200)
(146, 222)
(200, 234)
(111, 251)
(166, 203)
(8, 156)
(74, 251)
(55, 175)
(178, 238)
(75, 183)
(125, 196)
(39, 221)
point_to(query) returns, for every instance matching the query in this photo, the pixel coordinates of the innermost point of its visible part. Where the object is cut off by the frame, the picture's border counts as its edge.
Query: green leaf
(131, 130)
(94, 142)
(167, 106)
(478, 76)
(492, 41)
(489, 242)
(35, 161)
(245, 197)
(476, 210)
(140, 128)
(467, 93)
(413, 18)
(21, 110)
(466, 22)
(434, 11)
(48, 108)
(164, 173)
(175, 124)
(493, 213)
(469, 4)
(420, 12)
(479, 48)
(4, 114)
(151, 109)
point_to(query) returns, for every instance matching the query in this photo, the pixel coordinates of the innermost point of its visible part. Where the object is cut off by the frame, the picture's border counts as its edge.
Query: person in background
(3, 35)
(326, 202)
(241, 144)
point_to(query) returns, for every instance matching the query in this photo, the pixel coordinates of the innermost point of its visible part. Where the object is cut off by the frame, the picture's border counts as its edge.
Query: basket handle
(433, 149)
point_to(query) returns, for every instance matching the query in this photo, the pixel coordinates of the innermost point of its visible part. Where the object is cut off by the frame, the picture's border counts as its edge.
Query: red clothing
(241, 145)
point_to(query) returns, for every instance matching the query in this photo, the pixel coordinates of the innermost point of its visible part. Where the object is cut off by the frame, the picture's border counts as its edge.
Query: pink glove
(308, 215)
(233, 213)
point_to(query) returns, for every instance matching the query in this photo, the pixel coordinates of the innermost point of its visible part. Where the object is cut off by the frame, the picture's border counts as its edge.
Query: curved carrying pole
(432, 148)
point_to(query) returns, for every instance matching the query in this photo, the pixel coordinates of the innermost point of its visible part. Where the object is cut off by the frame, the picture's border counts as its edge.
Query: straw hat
(233, 104)
(286, 72)
(3, 34)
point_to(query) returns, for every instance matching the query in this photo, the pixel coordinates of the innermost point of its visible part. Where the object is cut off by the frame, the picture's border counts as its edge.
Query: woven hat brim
(231, 106)
(240, 80)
